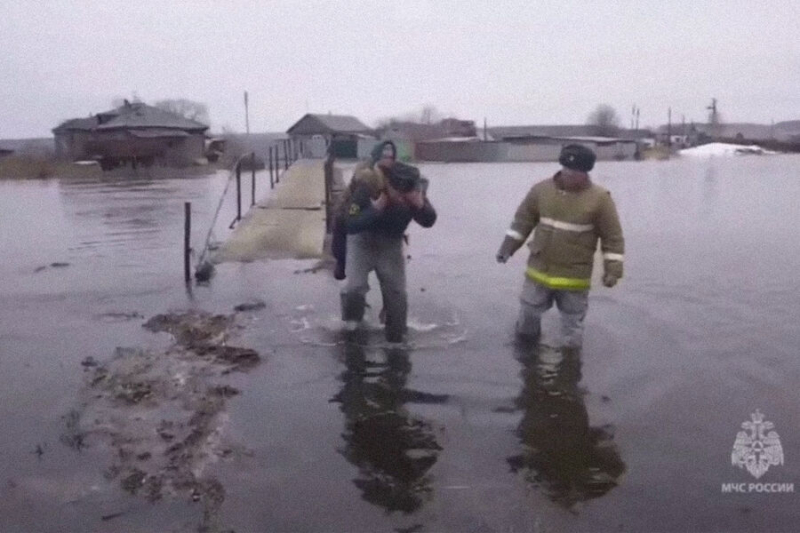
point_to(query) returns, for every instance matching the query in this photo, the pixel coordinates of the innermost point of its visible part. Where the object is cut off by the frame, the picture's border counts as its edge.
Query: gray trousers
(536, 299)
(367, 252)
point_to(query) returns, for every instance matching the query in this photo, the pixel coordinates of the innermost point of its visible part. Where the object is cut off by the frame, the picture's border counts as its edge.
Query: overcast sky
(526, 62)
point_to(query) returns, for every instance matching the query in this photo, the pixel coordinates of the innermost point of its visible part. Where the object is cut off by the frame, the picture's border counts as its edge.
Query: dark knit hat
(577, 157)
(377, 151)
(403, 177)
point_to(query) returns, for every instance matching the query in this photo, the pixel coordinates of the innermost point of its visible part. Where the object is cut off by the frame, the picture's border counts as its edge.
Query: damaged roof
(135, 115)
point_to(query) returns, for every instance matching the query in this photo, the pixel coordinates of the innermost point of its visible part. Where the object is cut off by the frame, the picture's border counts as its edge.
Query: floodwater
(460, 430)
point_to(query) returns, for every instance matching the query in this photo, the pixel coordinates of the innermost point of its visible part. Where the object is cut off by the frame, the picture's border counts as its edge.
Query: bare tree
(430, 115)
(427, 114)
(121, 100)
(606, 120)
(186, 108)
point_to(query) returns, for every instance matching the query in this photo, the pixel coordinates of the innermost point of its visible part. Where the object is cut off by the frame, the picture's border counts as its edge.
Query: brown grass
(30, 167)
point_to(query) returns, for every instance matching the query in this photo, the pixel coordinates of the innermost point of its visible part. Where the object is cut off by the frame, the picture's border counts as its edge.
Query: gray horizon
(508, 62)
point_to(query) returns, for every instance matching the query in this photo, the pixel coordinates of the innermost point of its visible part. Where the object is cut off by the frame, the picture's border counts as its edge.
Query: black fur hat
(403, 177)
(577, 157)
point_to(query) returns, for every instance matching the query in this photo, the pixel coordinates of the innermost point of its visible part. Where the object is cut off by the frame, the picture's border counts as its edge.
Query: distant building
(408, 135)
(693, 134)
(5, 152)
(544, 143)
(504, 133)
(788, 131)
(133, 133)
(317, 133)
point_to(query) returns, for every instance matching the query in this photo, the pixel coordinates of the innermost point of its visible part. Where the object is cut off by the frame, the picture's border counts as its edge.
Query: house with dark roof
(133, 133)
(316, 133)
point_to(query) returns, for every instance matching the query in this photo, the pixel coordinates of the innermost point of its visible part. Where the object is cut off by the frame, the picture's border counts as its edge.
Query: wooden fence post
(253, 181)
(187, 250)
(239, 190)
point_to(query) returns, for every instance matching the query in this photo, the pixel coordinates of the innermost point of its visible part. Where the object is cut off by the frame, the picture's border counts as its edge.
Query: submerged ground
(130, 403)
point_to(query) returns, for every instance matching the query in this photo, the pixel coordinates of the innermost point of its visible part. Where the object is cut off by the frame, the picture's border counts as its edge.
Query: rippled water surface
(461, 430)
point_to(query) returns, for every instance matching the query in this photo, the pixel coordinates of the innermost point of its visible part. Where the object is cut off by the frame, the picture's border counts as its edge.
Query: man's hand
(609, 280)
(414, 199)
(379, 203)
(507, 249)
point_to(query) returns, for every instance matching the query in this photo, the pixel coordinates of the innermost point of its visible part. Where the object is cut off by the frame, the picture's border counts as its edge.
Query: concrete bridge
(289, 222)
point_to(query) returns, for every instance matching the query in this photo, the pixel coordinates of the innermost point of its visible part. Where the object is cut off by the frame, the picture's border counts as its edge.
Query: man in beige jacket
(570, 214)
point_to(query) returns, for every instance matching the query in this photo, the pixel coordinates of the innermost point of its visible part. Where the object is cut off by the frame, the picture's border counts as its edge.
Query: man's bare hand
(415, 199)
(379, 203)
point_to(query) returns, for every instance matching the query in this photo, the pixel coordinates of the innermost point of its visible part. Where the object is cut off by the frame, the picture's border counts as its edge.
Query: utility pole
(246, 115)
(713, 108)
(669, 128)
(713, 118)
(485, 137)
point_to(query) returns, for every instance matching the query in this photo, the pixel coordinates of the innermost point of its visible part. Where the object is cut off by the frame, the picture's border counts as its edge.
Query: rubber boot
(339, 248)
(353, 306)
(396, 319)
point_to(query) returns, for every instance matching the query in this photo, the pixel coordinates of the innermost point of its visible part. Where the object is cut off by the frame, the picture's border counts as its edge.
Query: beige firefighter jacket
(568, 226)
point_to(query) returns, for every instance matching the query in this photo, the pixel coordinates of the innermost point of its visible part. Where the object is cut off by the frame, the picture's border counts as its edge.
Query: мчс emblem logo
(755, 448)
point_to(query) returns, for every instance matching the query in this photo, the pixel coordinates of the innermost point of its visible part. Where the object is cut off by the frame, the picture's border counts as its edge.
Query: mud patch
(161, 414)
(120, 316)
(52, 265)
(253, 305)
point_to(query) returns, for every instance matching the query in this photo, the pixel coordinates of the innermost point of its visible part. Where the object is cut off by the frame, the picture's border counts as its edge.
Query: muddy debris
(107, 517)
(161, 414)
(134, 480)
(192, 327)
(57, 264)
(73, 436)
(39, 450)
(89, 362)
(238, 358)
(120, 316)
(253, 305)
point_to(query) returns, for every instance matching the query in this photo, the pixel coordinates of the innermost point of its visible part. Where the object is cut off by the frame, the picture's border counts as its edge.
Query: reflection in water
(392, 449)
(562, 454)
(709, 190)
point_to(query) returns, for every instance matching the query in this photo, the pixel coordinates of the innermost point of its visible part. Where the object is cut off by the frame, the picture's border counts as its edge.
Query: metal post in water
(253, 181)
(239, 190)
(187, 250)
(271, 177)
(328, 177)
